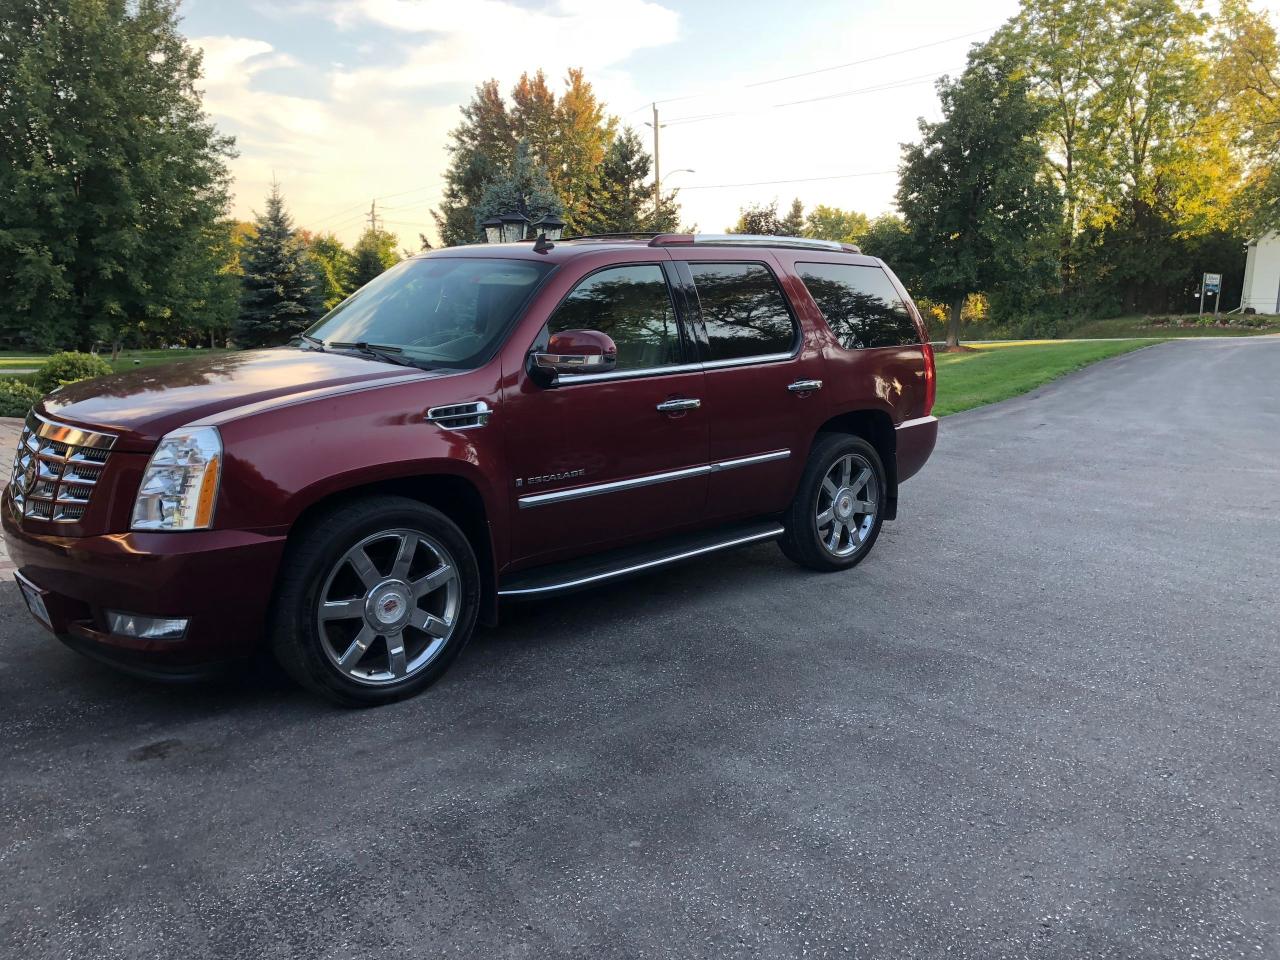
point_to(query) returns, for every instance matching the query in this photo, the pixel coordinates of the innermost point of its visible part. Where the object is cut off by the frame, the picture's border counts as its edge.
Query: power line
(769, 183)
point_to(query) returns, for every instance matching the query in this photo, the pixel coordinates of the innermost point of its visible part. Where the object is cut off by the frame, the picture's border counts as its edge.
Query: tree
(373, 254)
(623, 200)
(758, 219)
(114, 180)
(792, 225)
(523, 186)
(832, 223)
(335, 266)
(280, 295)
(972, 190)
(886, 237)
(481, 146)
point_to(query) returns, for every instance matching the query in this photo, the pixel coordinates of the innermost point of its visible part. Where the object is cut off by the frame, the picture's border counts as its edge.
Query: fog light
(145, 628)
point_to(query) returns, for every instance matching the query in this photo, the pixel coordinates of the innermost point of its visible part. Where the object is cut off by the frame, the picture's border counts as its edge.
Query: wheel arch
(455, 496)
(876, 427)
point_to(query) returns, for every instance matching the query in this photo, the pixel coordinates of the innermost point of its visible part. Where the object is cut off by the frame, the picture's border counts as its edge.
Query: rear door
(604, 459)
(763, 387)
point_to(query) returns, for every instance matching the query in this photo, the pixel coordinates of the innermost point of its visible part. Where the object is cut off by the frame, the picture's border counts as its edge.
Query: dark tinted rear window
(860, 304)
(743, 310)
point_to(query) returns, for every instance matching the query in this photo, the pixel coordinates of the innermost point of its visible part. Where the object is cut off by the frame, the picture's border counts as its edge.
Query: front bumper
(221, 579)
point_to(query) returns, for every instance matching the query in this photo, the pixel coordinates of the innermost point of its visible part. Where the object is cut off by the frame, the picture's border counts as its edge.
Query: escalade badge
(551, 477)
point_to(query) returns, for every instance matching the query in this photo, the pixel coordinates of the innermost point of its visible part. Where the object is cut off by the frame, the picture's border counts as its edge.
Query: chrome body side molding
(917, 422)
(616, 486)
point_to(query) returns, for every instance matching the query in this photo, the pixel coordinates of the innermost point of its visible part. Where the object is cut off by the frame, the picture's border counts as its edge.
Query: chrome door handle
(805, 386)
(671, 406)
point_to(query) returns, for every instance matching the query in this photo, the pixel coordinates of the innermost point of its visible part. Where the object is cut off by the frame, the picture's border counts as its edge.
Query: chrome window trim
(649, 479)
(771, 534)
(917, 422)
(569, 379)
(744, 361)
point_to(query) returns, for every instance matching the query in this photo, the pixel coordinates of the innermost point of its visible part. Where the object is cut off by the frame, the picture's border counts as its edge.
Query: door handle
(673, 406)
(805, 386)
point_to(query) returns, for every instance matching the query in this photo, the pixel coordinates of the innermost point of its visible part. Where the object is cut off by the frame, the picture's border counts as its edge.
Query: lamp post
(514, 226)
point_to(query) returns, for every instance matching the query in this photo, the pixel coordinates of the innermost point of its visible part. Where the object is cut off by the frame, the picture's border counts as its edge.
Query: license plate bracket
(34, 598)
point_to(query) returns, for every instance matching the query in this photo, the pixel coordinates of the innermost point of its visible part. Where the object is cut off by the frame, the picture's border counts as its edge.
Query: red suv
(477, 424)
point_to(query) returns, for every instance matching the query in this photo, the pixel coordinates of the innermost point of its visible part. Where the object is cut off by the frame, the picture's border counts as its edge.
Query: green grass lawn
(1172, 327)
(128, 360)
(998, 371)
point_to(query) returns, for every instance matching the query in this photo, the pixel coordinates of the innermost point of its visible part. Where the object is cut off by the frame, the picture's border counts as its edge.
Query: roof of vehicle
(562, 250)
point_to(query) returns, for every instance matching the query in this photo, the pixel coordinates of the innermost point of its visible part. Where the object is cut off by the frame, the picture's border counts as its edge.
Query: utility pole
(657, 169)
(373, 214)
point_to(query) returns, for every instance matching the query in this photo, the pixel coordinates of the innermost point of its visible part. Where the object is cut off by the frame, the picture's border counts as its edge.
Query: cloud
(374, 129)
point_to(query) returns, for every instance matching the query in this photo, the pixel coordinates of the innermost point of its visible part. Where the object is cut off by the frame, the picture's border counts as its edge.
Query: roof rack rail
(626, 235)
(749, 240)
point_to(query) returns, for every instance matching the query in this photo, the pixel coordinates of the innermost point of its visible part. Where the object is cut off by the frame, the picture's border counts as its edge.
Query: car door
(763, 381)
(602, 459)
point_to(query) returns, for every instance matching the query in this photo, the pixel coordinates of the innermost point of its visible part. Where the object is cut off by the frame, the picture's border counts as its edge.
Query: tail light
(930, 379)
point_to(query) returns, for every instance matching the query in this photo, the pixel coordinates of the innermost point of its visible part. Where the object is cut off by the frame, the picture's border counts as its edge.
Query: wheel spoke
(357, 648)
(429, 624)
(861, 482)
(846, 471)
(364, 568)
(342, 609)
(442, 576)
(829, 487)
(404, 557)
(826, 516)
(395, 654)
(833, 540)
(864, 507)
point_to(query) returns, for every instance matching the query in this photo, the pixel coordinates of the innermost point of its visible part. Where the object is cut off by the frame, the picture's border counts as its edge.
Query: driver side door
(604, 459)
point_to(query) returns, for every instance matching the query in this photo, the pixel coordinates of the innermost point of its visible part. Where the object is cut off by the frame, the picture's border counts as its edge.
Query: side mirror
(572, 352)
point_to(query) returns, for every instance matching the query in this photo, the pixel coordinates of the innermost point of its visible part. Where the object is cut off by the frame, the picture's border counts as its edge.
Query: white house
(1262, 275)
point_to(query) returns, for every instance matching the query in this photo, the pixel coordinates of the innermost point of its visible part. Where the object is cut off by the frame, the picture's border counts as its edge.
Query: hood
(143, 405)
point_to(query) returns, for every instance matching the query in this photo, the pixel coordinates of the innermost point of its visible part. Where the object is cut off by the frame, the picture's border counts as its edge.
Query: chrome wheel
(389, 606)
(848, 500)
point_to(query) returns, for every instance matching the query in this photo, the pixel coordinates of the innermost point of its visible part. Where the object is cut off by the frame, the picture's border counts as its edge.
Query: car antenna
(542, 244)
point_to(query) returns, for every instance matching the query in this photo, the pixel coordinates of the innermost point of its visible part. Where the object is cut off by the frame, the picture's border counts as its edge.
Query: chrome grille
(56, 469)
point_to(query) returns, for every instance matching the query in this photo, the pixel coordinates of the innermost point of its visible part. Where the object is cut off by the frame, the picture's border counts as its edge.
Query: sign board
(1212, 282)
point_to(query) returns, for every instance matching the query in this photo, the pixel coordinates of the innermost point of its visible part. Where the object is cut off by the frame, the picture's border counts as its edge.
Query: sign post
(1212, 284)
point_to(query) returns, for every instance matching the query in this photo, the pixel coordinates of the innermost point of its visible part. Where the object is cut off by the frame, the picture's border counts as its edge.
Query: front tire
(375, 601)
(838, 510)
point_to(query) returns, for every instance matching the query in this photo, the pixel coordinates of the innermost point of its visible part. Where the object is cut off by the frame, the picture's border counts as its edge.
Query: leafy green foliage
(374, 253)
(971, 191)
(114, 180)
(335, 266)
(280, 290)
(16, 397)
(69, 367)
(832, 223)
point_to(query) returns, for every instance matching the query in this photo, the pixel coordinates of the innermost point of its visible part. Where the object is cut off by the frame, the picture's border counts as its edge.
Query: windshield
(438, 311)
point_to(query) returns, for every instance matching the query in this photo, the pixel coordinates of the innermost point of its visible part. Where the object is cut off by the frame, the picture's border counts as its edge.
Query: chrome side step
(588, 571)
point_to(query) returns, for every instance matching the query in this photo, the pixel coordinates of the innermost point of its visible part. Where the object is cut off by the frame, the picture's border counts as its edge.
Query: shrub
(16, 397)
(68, 368)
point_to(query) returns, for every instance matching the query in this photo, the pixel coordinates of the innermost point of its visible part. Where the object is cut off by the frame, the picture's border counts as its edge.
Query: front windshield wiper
(317, 343)
(378, 351)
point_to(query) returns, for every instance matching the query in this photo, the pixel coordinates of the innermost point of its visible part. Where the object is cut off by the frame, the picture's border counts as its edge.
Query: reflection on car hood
(143, 405)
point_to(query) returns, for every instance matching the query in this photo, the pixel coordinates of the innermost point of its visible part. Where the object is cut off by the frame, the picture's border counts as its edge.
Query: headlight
(181, 482)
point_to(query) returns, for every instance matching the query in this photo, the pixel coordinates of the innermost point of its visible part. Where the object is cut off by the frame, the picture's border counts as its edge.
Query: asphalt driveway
(1043, 720)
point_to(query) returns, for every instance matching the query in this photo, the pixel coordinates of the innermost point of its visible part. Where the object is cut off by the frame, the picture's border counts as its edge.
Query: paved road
(1042, 722)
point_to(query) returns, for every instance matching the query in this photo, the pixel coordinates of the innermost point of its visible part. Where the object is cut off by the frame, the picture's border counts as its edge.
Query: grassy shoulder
(991, 372)
(20, 365)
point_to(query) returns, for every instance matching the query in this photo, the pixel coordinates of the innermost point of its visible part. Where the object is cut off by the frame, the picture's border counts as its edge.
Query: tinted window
(743, 310)
(441, 311)
(861, 305)
(633, 306)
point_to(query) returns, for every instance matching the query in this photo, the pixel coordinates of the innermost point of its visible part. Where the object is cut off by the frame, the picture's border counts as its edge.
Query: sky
(345, 102)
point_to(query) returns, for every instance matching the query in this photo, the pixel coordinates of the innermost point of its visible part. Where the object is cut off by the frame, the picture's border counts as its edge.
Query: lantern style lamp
(550, 226)
(492, 230)
(514, 226)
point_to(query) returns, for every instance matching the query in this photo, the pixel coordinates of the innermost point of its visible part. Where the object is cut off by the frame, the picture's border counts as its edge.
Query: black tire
(315, 558)
(802, 541)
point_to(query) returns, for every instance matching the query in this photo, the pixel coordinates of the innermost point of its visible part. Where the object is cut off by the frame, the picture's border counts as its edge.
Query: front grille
(57, 469)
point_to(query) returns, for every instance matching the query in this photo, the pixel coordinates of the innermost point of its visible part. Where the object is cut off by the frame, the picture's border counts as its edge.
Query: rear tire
(838, 510)
(375, 600)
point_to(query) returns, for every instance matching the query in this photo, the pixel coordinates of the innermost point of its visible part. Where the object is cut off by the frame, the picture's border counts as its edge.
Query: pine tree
(623, 201)
(792, 225)
(280, 294)
(481, 146)
(522, 186)
(113, 179)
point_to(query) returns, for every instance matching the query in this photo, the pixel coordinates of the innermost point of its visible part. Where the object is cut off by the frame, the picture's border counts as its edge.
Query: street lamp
(514, 226)
(550, 226)
(492, 230)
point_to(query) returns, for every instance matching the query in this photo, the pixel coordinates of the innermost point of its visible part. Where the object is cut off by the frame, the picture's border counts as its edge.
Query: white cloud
(363, 131)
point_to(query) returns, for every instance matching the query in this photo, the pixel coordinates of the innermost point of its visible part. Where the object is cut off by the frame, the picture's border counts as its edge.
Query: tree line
(1093, 158)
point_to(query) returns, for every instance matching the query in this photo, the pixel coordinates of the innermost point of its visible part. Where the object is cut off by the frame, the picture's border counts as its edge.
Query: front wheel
(837, 512)
(375, 601)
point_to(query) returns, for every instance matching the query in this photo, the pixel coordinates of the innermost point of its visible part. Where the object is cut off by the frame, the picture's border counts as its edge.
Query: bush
(68, 368)
(16, 397)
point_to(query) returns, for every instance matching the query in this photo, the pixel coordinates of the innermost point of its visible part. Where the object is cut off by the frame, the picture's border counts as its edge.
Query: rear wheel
(376, 600)
(836, 515)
